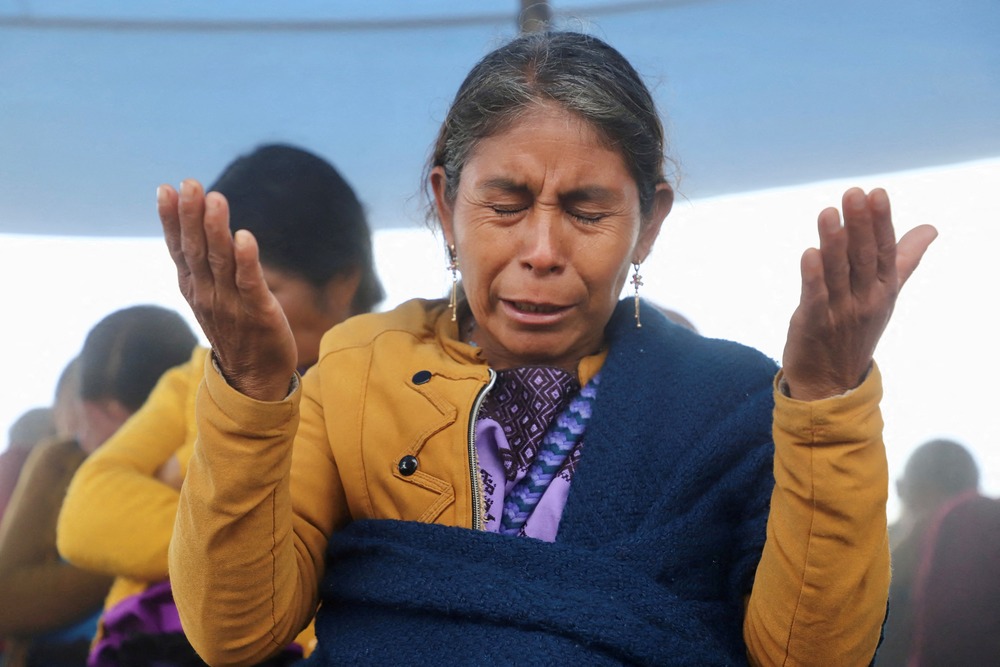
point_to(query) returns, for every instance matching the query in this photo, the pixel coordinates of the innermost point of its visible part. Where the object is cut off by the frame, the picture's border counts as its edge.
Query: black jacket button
(407, 465)
(421, 377)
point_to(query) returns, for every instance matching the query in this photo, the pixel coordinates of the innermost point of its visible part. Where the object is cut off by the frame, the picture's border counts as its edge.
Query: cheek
(621, 275)
(481, 257)
(306, 326)
(283, 301)
(99, 424)
(477, 281)
(292, 308)
(606, 266)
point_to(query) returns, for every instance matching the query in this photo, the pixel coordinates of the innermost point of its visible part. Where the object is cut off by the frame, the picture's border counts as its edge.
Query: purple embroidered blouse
(509, 432)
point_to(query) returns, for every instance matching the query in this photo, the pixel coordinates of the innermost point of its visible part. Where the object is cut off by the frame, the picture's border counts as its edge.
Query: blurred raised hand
(221, 278)
(849, 289)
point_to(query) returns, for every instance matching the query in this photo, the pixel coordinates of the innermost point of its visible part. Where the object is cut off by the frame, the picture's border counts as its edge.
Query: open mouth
(533, 314)
(535, 308)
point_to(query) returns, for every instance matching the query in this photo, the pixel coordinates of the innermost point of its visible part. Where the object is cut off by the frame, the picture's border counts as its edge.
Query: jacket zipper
(477, 492)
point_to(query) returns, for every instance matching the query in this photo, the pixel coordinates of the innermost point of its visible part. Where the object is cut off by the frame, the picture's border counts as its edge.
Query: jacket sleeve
(118, 517)
(248, 548)
(38, 590)
(821, 587)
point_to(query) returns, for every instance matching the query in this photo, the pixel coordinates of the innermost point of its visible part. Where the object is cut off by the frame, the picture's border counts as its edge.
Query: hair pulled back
(582, 74)
(125, 353)
(305, 216)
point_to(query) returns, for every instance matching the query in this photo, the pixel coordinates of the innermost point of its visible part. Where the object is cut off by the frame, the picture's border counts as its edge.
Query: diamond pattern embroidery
(524, 401)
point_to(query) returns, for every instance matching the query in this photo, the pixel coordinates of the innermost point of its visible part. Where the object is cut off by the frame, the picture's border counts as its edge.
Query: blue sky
(102, 101)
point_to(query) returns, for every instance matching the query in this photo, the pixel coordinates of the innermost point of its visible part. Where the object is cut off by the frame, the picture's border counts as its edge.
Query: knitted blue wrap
(656, 551)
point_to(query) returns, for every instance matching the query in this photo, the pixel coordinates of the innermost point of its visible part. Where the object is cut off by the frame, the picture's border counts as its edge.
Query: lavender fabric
(510, 431)
(563, 437)
(150, 612)
(145, 629)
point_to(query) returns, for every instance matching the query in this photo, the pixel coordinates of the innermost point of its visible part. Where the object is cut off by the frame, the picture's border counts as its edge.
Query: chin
(534, 352)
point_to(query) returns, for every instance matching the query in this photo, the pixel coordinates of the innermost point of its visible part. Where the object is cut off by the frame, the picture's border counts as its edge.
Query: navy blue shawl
(656, 549)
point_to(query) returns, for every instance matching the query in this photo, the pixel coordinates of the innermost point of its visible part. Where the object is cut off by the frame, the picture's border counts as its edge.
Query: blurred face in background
(67, 410)
(98, 421)
(310, 310)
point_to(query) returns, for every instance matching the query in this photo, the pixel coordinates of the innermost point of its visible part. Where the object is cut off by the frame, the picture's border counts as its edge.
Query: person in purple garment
(49, 606)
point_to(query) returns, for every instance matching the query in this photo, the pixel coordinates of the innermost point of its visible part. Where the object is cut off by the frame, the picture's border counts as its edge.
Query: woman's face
(546, 224)
(311, 310)
(99, 419)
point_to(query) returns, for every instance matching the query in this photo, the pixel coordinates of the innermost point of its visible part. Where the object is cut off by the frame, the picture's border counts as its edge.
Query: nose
(543, 243)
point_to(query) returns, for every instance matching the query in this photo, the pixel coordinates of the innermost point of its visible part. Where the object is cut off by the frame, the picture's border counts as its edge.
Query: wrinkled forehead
(504, 148)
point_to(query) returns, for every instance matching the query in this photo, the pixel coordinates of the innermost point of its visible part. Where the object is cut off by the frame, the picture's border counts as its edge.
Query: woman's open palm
(221, 278)
(849, 288)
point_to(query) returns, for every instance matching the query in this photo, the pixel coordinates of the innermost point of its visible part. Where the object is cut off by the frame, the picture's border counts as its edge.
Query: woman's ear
(439, 185)
(663, 201)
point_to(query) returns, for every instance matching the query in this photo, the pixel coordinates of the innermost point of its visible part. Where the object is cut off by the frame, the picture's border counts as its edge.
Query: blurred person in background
(944, 599)
(317, 261)
(49, 607)
(38, 425)
(535, 471)
(32, 427)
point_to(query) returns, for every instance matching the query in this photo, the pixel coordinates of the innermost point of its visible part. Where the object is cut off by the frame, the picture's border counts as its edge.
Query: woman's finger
(815, 295)
(885, 236)
(219, 250)
(911, 248)
(166, 207)
(862, 251)
(833, 250)
(191, 211)
(249, 275)
(249, 280)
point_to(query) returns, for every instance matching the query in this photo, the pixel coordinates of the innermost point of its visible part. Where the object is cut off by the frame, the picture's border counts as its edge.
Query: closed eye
(588, 219)
(590, 205)
(506, 212)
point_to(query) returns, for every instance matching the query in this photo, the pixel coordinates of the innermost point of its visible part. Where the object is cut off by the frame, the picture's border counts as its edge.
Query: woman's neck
(470, 333)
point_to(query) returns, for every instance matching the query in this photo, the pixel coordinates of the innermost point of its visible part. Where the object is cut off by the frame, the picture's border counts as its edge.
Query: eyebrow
(592, 193)
(504, 185)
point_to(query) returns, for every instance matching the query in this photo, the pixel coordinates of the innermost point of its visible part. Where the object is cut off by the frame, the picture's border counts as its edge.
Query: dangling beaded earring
(453, 267)
(636, 282)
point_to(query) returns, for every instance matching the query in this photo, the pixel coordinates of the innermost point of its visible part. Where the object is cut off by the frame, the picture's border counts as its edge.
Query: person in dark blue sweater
(532, 471)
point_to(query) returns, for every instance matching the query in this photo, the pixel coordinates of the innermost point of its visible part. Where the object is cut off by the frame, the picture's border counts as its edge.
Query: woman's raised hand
(221, 278)
(849, 289)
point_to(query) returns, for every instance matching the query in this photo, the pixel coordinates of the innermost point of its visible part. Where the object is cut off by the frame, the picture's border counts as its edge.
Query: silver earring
(636, 283)
(453, 267)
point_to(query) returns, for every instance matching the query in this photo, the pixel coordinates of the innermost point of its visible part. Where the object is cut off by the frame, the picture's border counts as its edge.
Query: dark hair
(69, 380)
(941, 465)
(305, 216)
(125, 353)
(579, 72)
(31, 428)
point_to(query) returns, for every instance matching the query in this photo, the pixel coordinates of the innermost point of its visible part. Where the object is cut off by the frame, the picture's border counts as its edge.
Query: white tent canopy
(102, 101)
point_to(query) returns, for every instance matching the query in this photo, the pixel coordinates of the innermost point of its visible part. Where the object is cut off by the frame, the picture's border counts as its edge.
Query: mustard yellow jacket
(118, 516)
(256, 512)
